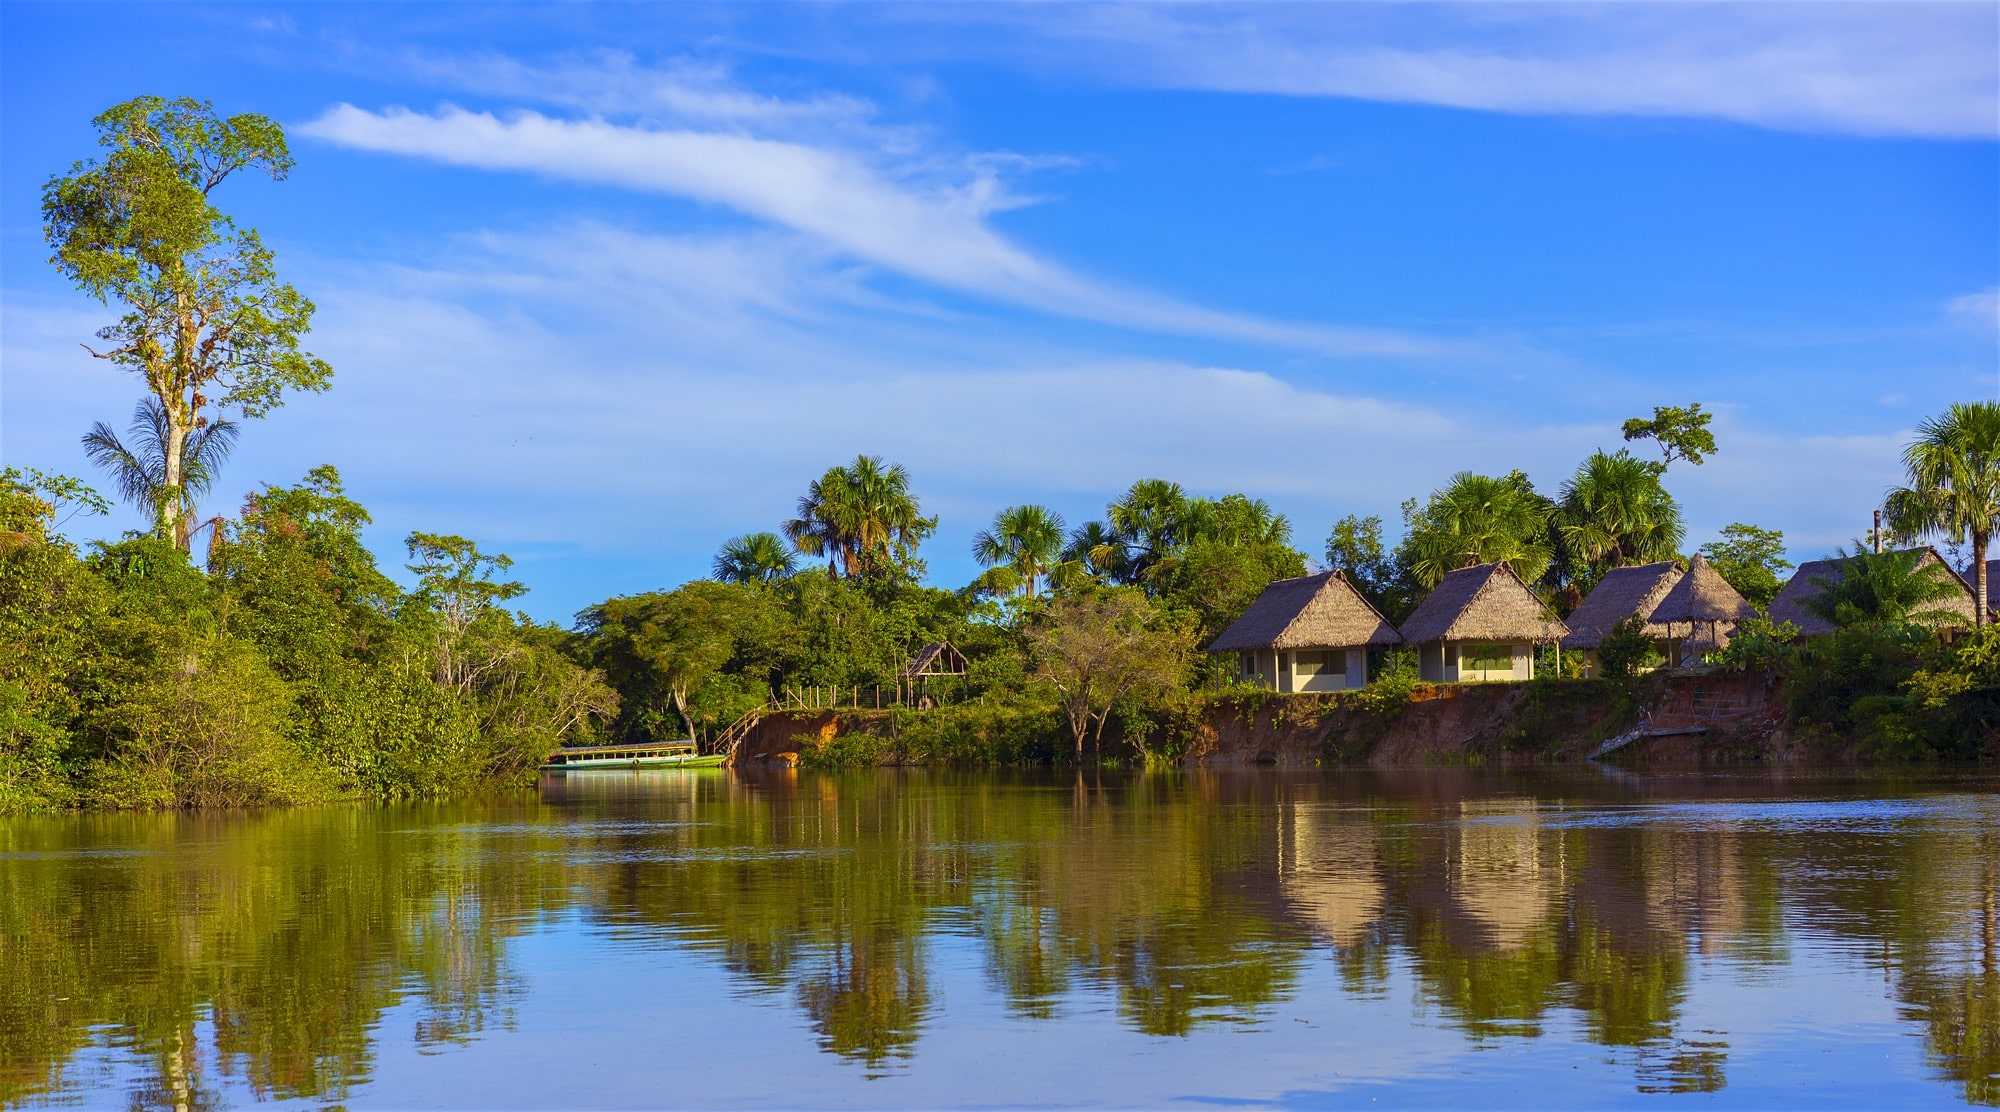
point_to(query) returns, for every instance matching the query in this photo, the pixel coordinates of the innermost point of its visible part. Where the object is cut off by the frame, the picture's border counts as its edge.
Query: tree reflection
(272, 947)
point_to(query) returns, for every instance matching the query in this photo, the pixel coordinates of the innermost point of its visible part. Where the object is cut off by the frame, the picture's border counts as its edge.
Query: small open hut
(935, 659)
(1790, 605)
(1481, 623)
(1311, 633)
(1707, 606)
(1622, 593)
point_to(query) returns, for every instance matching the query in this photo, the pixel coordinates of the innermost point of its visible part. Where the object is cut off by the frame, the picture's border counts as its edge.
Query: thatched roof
(1484, 603)
(1321, 611)
(936, 659)
(1702, 595)
(1622, 593)
(1790, 605)
(1992, 585)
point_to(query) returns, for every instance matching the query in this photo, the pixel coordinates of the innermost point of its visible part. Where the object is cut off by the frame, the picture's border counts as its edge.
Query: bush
(1626, 650)
(1758, 645)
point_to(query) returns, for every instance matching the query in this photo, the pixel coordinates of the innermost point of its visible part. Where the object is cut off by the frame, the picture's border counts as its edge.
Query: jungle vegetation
(283, 665)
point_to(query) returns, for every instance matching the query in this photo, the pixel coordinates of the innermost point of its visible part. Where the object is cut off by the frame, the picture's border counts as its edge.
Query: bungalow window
(1489, 658)
(1331, 662)
(1246, 664)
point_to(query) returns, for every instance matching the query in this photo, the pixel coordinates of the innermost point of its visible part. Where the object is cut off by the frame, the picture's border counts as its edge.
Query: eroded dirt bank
(1733, 717)
(1739, 718)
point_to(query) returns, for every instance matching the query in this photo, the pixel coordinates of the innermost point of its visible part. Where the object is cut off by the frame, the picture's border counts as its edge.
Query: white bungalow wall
(1292, 671)
(1454, 662)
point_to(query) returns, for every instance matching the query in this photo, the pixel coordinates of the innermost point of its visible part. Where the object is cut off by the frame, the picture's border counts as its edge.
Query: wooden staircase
(731, 738)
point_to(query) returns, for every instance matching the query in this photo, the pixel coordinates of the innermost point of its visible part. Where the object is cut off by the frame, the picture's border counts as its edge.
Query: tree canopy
(205, 322)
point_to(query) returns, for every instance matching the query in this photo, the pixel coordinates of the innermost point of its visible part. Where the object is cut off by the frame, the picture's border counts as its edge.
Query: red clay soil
(1741, 715)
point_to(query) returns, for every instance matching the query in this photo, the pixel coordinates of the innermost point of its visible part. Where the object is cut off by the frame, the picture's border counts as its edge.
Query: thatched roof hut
(1484, 603)
(1706, 605)
(1702, 596)
(1790, 605)
(1621, 594)
(1311, 611)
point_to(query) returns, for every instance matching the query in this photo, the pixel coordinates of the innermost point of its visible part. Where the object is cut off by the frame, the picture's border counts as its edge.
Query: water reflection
(266, 952)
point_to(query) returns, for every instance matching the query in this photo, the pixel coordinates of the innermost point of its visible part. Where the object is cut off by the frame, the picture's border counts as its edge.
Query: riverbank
(1719, 717)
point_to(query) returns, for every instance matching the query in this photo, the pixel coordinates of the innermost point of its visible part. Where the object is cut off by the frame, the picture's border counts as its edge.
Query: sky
(605, 285)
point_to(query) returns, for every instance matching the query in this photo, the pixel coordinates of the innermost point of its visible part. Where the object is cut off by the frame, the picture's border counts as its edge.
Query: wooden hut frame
(938, 658)
(1701, 598)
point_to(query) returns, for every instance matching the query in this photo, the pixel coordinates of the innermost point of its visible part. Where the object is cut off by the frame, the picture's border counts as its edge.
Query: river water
(1471, 937)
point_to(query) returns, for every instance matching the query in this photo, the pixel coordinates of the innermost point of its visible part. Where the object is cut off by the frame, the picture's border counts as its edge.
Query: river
(1473, 937)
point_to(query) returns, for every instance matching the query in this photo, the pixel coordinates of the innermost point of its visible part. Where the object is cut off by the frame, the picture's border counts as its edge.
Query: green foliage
(294, 671)
(753, 558)
(1626, 650)
(203, 311)
(1852, 688)
(1885, 590)
(1680, 433)
(1478, 519)
(1953, 469)
(1751, 560)
(1392, 685)
(1106, 649)
(864, 519)
(1615, 512)
(1758, 645)
(1024, 542)
(1355, 548)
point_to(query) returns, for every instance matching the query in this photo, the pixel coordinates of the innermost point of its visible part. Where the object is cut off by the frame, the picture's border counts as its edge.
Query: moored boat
(666, 754)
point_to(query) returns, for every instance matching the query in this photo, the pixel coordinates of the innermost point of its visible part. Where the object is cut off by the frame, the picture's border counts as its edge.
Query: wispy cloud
(514, 387)
(907, 218)
(1980, 310)
(1891, 69)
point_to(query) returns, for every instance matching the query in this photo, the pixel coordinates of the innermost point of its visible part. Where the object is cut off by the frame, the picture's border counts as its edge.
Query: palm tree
(141, 470)
(1479, 519)
(1146, 524)
(1027, 540)
(1884, 589)
(1092, 555)
(753, 558)
(862, 517)
(1615, 512)
(1953, 468)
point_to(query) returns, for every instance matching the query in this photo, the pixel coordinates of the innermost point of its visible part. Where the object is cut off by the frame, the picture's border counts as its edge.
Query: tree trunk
(680, 707)
(172, 520)
(1979, 614)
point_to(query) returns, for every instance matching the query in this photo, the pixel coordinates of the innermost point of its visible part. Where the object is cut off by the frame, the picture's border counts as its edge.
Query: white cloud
(607, 406)
(1979, 311)
(1923, 69)
(932, 229)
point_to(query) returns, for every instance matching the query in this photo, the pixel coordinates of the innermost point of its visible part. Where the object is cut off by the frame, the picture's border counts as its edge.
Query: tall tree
(140, 469)
(1680, 433)
(1953, 469)
(1025, 540)
(455, 580)
(1615, 512)
(863, 518)
(1478, 519)
(753, 558)
(1146, 524)
(205, 322)
(1750, 559)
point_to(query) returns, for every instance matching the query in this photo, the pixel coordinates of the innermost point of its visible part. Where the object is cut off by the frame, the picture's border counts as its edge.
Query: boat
(659, 754)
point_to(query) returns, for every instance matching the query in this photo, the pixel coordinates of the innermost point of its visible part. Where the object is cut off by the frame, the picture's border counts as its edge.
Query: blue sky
(604, 285)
